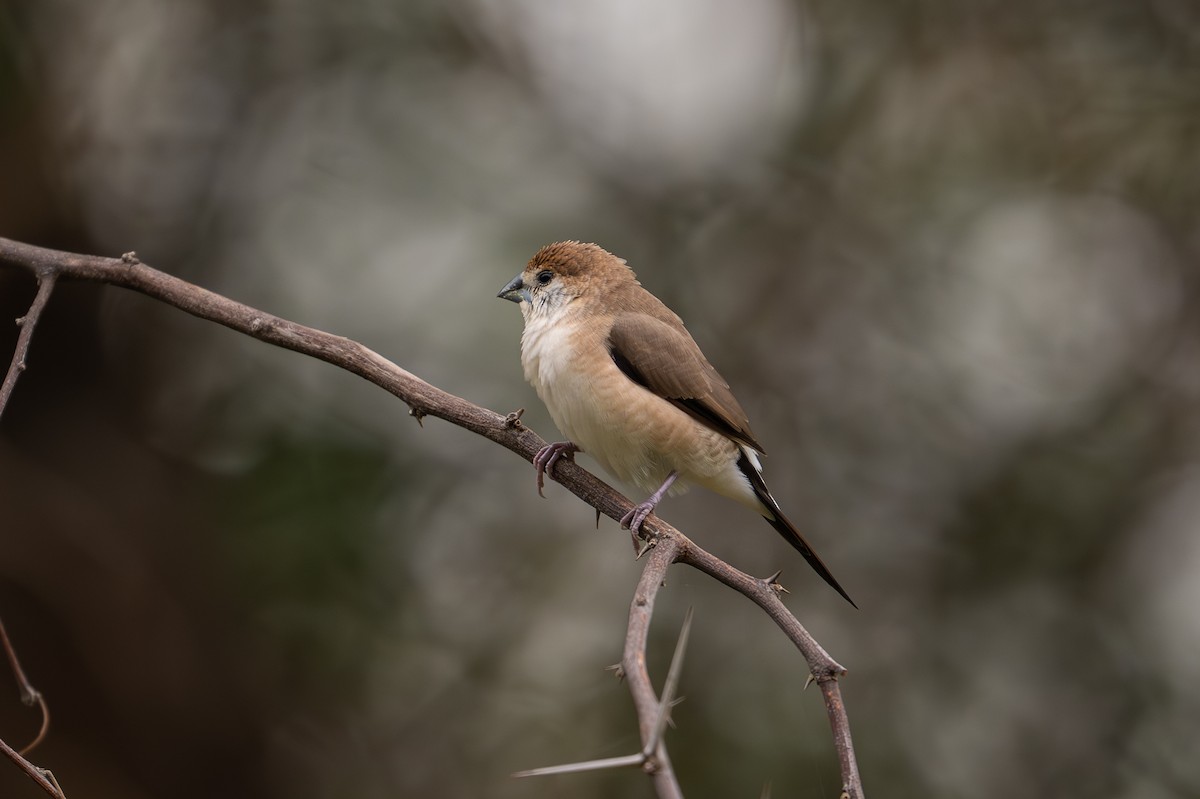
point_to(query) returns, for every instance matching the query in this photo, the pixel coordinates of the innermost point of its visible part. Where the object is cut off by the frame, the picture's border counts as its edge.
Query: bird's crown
(573, 258)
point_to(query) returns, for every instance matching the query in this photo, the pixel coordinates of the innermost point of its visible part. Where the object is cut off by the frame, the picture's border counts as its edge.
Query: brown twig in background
(29, 696)
(423, 400)
(43, 777)
(27, 323)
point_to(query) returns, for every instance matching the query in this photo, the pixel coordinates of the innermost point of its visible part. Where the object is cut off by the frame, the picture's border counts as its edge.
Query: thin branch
(839, 722)
(27, 323)
(824, 669)
(763, 593)
(653, 713)
(423, 400)
(633, 665)
(29, 696)
(43, 777)
(670, 687)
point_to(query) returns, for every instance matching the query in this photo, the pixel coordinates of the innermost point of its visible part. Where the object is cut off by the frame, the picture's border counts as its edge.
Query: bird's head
(562, 272)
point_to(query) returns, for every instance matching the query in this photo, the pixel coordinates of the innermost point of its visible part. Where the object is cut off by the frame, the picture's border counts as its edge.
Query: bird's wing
(664, 358)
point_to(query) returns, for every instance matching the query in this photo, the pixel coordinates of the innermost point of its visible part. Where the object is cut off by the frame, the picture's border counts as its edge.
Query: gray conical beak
(515, 291)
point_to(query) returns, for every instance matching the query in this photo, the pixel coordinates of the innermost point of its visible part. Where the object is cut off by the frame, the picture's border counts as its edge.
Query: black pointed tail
(787, 529)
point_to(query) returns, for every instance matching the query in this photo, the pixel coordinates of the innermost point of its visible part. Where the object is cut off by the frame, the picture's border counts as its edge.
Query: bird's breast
(547, 354)
(636, 435)
(562, 363)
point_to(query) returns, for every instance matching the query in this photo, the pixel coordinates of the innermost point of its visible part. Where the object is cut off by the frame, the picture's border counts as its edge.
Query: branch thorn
(774, 584)
(513, 420)
(668, 699)
(417, 414)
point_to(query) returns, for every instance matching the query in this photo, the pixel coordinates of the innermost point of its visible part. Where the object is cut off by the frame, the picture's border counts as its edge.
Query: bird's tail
(786, 528)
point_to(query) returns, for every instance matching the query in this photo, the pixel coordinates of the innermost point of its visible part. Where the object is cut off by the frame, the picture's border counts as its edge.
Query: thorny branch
(423, 399)
(650, 711)
(653, 713)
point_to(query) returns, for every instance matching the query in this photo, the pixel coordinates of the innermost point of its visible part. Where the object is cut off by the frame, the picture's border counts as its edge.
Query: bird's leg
(547, 456)
(633, 520)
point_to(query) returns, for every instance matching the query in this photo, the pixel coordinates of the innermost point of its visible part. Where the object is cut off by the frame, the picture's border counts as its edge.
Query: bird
(625, 381)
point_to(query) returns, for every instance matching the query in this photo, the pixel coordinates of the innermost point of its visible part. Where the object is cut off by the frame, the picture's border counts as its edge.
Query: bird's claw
(549, 455)
(632, 521)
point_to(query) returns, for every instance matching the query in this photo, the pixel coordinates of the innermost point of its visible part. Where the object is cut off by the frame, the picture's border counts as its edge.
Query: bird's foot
(549, 455)
(633, 522)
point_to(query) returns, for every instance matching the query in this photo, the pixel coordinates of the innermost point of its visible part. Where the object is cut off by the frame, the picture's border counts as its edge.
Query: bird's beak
(515, 291)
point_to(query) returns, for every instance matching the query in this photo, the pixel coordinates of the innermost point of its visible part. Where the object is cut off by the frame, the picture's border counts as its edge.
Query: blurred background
(947, 254)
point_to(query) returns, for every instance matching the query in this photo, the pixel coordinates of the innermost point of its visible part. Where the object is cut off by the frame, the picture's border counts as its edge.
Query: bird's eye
(544, 277)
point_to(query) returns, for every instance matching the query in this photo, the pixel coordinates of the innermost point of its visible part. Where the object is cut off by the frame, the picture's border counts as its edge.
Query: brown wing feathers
(663, 358)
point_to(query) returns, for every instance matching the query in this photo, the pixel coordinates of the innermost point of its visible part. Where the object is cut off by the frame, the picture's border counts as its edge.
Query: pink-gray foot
(549, 455)
(638, 513)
